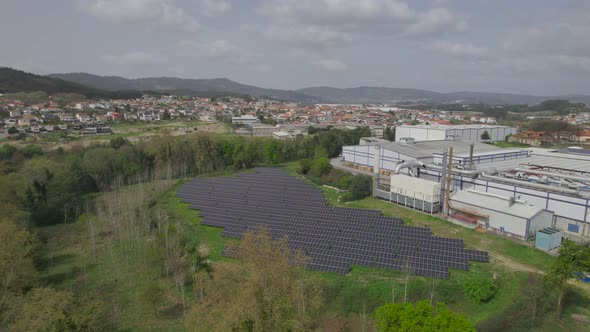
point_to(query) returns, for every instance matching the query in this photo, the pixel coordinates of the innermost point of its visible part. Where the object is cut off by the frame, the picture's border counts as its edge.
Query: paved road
(337, 163)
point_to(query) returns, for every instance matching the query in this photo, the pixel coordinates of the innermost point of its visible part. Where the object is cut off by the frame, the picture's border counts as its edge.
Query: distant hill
(358, 95)
(12, 81)
(172, 84)
(368, 95)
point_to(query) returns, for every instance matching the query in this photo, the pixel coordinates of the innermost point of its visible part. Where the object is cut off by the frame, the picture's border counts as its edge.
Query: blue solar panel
(333, 237)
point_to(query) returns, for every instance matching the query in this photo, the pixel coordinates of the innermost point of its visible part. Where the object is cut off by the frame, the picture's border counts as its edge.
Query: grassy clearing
(511, 145)
(208, 238)
(155, 126)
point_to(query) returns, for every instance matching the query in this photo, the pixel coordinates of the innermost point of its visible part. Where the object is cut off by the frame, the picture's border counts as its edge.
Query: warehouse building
(501, 214)
(244, 119)
(466, 133)
(549, 180)
(257, 130)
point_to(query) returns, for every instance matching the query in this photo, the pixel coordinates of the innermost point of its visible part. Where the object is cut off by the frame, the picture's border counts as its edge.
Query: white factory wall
(434, 133)
(365, 155)
(569, 210)
(573, 229)
(498, 220)
(564, 206)
(415, 187)
(542, 220)
(359, 154)
(420, 134)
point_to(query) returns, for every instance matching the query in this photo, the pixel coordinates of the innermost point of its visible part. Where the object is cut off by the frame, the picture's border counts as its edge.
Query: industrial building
(465, 133)
(501, 214)
(244, 119)
(257, 130)
(552, 181)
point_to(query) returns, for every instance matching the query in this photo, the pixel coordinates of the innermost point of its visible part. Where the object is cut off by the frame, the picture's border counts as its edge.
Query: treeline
(559, 106)
(12, 80)
(47, 188)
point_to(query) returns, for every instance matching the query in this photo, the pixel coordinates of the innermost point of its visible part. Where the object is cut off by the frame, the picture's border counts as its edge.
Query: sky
(539, 47)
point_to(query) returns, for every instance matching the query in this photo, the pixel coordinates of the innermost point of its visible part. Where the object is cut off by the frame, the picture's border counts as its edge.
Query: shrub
(480, 289)
(320, 167)
(361, 186)
(32, 150)
(304, 166)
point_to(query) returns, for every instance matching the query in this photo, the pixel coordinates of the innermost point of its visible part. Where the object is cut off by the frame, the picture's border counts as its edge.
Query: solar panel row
(334, 238)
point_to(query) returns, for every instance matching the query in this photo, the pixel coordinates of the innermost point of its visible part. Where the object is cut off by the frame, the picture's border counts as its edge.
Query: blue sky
(526, 46)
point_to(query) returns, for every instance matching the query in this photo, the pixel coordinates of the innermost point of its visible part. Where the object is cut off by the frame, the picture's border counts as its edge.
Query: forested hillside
(12, 80)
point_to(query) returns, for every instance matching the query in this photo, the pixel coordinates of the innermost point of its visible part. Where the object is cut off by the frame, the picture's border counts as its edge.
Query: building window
(573, 228)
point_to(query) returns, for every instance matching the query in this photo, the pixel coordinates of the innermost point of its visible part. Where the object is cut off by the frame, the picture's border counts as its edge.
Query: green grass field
(511, 145)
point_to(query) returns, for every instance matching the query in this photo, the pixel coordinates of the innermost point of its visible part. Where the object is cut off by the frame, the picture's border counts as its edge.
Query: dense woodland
(108, 211)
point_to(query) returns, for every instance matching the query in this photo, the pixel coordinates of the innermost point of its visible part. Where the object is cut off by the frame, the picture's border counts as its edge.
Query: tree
(389, 133)
(572, 258)
(44, 309)
(12, 130)
(320, 167)
(485, 136)
(361, 186)
(153, 294)
(272, 151)
(166, 115)
(16, 263)
(118, 142)
(421, 317)
(268, 291)
(305, 165)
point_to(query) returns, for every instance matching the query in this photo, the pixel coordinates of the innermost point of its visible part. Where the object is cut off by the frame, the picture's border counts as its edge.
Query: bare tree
(432, 289)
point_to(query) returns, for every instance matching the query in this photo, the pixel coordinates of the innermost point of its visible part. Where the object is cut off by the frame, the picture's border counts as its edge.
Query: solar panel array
(334, 238)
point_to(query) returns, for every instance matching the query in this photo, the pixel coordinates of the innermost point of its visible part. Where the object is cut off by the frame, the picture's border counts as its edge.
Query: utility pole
(443, 178)
(376, 168)
(449, 177)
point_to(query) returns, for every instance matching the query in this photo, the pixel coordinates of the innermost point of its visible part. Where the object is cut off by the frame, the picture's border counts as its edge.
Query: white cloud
(457, 49)
(560, 46)
(132, 58)
(436, 21)
(150, 11)
(213, 49)
(385, 17)
(331, 65)
(562, 39)
(309, 36)
(214, 7)
(220, 48)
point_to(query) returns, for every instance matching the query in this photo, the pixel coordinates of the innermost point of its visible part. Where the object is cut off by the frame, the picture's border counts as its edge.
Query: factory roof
(555, 160)
(497, 203)
(425, 149)
(449, 127)
(575, 150)
(260, 125)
